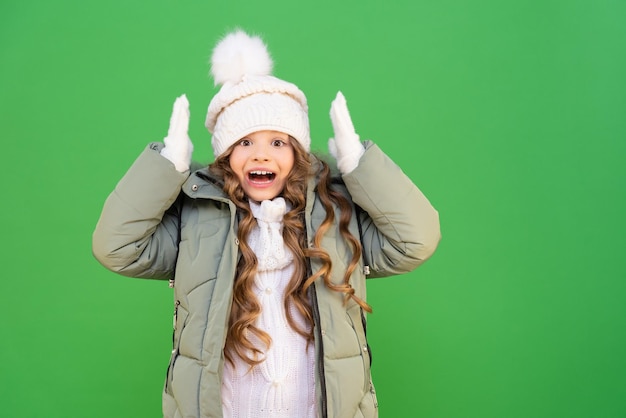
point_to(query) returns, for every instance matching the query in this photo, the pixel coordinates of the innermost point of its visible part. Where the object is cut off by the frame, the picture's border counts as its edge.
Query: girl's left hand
(346, 146)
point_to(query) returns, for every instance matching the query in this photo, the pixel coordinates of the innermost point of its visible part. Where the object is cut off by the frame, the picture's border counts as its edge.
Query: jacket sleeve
(400, 228)
(137, 233)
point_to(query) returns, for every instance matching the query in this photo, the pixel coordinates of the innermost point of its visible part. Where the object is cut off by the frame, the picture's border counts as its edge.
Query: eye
(245, 142)
(278, 143)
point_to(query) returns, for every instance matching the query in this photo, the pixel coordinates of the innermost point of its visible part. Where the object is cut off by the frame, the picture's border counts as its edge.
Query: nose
(260, 153)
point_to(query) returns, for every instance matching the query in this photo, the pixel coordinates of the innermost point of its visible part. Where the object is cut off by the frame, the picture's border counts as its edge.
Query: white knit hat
(251, 99)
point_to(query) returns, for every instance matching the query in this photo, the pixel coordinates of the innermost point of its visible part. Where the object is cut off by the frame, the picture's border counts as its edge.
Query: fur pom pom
(238, 54)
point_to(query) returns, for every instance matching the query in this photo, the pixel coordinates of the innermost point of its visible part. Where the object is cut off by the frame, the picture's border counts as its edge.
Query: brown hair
(246, 308)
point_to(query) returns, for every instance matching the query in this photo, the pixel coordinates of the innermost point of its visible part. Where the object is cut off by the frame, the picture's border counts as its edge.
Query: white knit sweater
(283, 386)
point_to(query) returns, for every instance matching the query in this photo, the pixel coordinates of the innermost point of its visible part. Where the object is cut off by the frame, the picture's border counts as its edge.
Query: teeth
(260, 173)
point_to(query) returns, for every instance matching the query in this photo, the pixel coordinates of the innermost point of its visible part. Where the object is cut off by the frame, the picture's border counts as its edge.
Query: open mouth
(259, 176)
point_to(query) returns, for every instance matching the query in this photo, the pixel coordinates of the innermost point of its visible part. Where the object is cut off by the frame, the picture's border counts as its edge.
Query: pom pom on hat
(251, 99)
(239, 54)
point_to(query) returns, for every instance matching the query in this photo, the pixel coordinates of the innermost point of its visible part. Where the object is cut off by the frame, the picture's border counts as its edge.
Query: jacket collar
(202, 185)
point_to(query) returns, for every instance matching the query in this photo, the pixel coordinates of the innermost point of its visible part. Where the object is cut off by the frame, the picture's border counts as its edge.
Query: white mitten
(346, 147)
(178, 146)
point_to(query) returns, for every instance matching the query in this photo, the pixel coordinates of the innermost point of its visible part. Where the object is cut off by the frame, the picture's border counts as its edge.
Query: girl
(266, 250)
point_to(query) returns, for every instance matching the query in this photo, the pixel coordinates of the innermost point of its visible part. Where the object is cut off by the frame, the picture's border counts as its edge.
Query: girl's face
(262, 161)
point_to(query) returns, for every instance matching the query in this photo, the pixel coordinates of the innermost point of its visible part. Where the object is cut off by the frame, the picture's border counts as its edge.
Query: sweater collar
(269, 210)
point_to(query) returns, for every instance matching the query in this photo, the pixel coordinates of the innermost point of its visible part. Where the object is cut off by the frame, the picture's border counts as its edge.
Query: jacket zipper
(320, 362)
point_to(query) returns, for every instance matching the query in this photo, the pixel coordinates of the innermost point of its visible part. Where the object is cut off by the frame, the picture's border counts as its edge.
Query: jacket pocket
(354, 316)
(180, 320)
(368, 408)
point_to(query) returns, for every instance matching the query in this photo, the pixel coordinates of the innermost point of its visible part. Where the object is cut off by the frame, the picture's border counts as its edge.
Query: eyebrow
(286, 140)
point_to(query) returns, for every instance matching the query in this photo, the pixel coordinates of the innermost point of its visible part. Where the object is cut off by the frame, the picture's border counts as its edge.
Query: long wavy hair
(245, 307)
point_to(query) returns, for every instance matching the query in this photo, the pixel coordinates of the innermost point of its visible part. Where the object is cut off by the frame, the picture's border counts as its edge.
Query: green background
(510, 116)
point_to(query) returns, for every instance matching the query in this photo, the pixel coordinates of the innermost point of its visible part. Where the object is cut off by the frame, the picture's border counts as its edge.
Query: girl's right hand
(178, 146)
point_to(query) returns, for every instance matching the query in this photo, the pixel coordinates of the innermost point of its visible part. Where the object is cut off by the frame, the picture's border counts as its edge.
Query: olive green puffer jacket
(149, 229)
